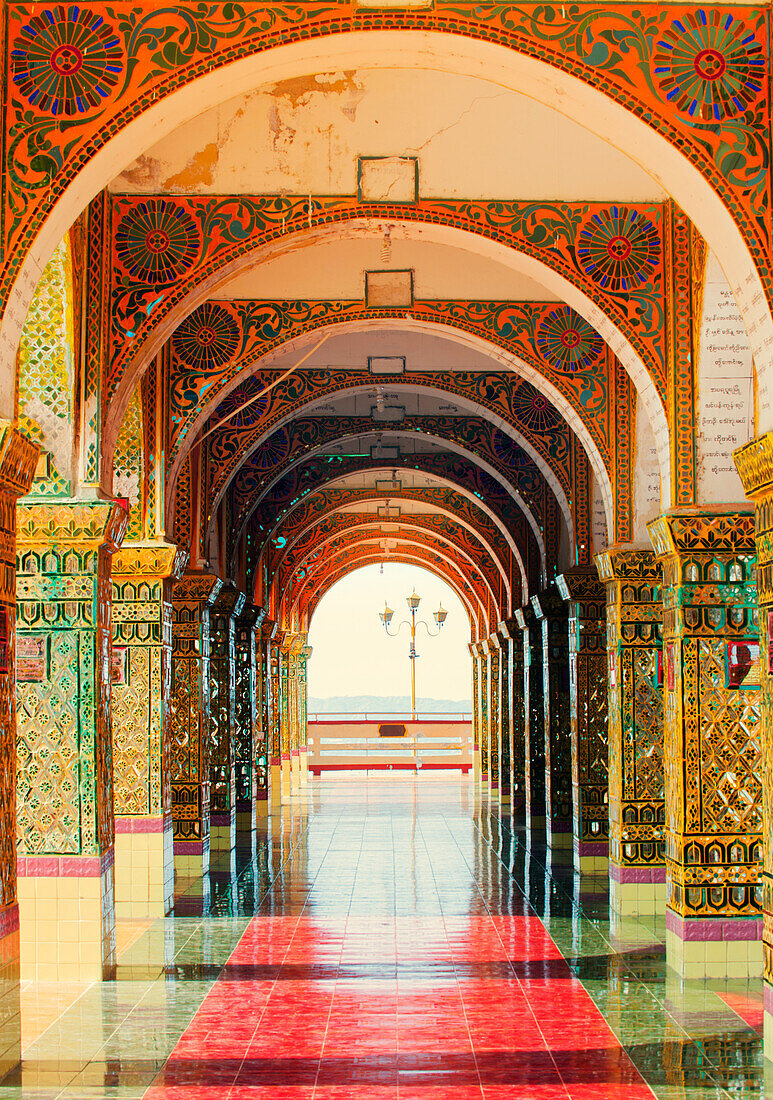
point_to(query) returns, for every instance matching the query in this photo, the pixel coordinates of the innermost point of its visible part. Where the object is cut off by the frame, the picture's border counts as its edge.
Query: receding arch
(543, 80)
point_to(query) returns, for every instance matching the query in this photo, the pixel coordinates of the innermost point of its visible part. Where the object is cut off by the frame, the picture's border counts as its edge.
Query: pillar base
(287, 776)
(304, 758)
(261, 806)
(222, 831)
(144, 867)
(559, 834)
(295, 769)
(275, 782)
(67, 918)
(591, 856)
(637, 890)
(767, 1020)
(714, 947)
(10, 1007)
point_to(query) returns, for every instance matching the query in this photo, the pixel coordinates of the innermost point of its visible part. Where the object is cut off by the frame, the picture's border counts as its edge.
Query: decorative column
(192, 597)
(141, 674)
(476, 709)
(247, 720)
(224, 612)
(534, 722)
(64, 778)
(481, 652)
(504, 645)
(755, 465)
(494, 717)
(269, 742)
(551, 612)
(585, 594)
(713, 762)
(283, 644)
(637, 869)
(306, 652)
(18, 458)
(516, 717)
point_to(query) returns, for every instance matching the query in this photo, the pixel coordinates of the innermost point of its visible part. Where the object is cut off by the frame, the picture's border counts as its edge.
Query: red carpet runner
(475, 1006)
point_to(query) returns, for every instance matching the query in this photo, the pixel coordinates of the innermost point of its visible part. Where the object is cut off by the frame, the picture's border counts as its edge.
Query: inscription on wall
(598, 520)
(725, 390)
(646, 479)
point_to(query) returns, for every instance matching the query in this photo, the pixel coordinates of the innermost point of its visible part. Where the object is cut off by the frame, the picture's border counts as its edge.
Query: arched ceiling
(277, 473)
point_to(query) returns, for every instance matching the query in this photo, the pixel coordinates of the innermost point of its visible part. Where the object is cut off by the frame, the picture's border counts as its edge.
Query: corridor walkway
(391, 938)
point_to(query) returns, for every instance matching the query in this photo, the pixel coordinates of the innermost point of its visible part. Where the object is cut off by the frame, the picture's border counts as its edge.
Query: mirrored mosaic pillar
(495, 719)
(282, 710)
(713, 788)
(534, 724)
(224, 612)
(516, 718)
(504, 645)
(247, 719)
(588, 715)
(551, 612)
(755, 465)
(64, 773)
(141, 673)
(18, 458)
(192, 598)
(637, 869)
(269, 729)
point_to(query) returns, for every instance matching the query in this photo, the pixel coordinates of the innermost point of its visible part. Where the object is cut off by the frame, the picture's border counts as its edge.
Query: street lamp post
(413, 602)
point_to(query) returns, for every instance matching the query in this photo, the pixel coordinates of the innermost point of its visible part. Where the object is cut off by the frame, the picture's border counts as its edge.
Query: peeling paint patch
(298, 89)
(145, 171)
(200, 169)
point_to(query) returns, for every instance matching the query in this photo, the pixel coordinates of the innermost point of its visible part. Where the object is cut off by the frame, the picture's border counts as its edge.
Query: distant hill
(356, 704)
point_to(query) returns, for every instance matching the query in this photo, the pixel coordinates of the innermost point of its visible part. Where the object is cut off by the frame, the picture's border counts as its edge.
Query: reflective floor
(391, 936)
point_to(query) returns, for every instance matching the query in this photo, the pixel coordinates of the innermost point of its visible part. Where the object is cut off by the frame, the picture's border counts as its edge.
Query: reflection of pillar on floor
(637, 869)
(65, 838)
(580, 586)
(494, 716)
(755, 465)
(551, 612)
(18, 458)
(142, 580)
(712, 753)
(192, 596)
(504, 644)
(534, 724)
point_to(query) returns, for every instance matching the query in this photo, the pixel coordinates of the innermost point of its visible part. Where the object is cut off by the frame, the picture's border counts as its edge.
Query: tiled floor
(392, 937)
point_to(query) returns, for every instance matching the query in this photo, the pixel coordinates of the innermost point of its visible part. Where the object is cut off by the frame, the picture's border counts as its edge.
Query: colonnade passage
(290, 290)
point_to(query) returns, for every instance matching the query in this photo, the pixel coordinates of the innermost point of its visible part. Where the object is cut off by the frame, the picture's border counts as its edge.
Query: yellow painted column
(494, 715)
(475, 663)
(64, 779)
(283, 711)
(755, 465)
(306, 653)
(552, 621)
(713, 762)
(18, 458)
(142, 580)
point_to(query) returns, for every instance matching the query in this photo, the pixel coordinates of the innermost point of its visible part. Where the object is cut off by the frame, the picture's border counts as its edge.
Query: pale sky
(353, 655)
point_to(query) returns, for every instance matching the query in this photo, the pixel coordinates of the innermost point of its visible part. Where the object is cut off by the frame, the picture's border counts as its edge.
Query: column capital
(549, 604)
(150, 559)
(628, 562)
(18, 460)
(754, 463)
(509, 628)
(229, 600)
(479, 649)
(580, 583)
(268, 629)
(196, 586)
(89, 524)
(719, 528)
(526, 617)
